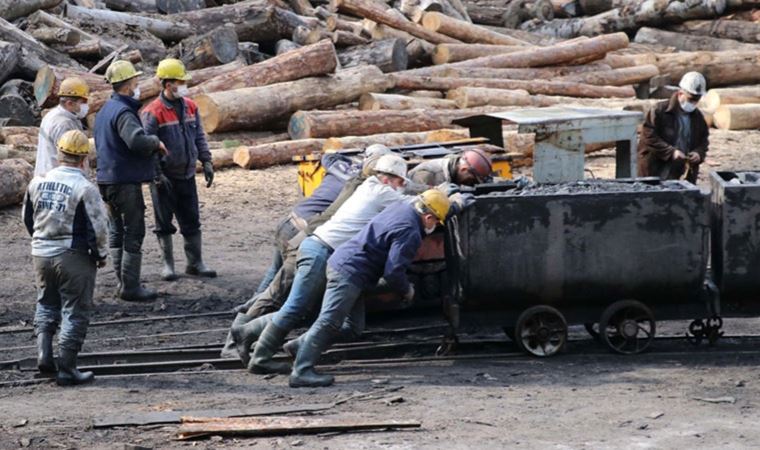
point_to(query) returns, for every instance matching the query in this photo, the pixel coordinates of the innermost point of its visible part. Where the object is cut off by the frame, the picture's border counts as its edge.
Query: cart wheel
(541, 331)
(627, 327)
(510, 332)
(593, 330)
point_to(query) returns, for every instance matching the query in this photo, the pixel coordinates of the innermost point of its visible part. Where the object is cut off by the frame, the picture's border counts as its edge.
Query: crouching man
(68, 222)
(385, 248)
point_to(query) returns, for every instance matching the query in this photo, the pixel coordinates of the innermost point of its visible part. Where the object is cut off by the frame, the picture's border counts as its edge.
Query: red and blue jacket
(184, 138)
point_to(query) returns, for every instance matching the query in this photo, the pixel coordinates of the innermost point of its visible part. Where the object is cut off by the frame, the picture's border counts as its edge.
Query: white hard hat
(693, 83)
(376, 150)
(391, 165)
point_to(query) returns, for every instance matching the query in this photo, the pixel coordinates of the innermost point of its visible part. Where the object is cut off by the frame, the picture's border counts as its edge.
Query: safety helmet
(434, 202)
(121, 70)
(479, 163)
(693, 83)
(172, 69)
(376, 150)
(74, 87)
(391, 165)
(74, 142)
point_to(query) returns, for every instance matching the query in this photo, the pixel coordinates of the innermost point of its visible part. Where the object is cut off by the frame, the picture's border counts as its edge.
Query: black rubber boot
(167, 253)
(68, 374)
(246, 335)
(270, 340)
(45, 359)
(116, 255)
(309, 351)
(195, 265)
(291, 347)
(230, 349)
(131, 290)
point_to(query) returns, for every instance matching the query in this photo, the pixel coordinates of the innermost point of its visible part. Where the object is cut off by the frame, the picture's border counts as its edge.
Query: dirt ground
(582, 399)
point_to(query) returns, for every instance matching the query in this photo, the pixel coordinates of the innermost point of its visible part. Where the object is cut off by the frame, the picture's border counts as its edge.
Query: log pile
(341, 73)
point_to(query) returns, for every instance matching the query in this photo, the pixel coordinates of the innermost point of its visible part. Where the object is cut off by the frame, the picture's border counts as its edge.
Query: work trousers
(342, 316)
(179, 200)
(65, 284)
(126, 211)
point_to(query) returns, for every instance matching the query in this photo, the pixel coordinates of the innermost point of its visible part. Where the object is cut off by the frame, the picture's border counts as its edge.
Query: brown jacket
(658, 135)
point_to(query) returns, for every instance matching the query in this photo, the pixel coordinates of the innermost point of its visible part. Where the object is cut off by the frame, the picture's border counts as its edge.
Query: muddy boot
(291, 348)
(269, 342)
(230, 349)
(310, 350)
(246, 335)
(131, 290)
(167, 253)
(195, 265)
(116, 254)
(68, 374)
(45, 360)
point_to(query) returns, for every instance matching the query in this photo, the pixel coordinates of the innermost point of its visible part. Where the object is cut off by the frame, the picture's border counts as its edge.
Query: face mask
(399, 189)
(182, 90)
(136, 94)
(688, 106)
(84, 108)
(430, 230)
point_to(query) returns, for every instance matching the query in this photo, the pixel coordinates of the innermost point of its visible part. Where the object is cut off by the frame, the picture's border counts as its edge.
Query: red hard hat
(479, 162)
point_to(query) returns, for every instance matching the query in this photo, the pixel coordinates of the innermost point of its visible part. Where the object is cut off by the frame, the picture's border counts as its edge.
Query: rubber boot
(270, 340)
(68, 374)
(246, 335)
(131, 290)
(195, 265)
(230, 349)
(116, 255)
(45, 359)
(167, 253)
(310, 350)
(291, 347)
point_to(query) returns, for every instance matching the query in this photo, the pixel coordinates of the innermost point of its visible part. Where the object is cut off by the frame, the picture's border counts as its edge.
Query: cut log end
(209, 112)
(44, 85)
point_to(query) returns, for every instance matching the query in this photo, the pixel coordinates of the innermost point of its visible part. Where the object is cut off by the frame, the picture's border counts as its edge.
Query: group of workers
(360, 229)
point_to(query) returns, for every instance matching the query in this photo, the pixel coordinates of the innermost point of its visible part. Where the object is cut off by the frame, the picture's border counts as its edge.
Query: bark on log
(218, 46)
(468, 97)
(544, 73)
(34, 53)
(335, 23)
(689, 42)
(88, 50)
(727, 29)
(49, 78)
(615, 77)
(347, 39)
(390, 55)
(486, 15)
(310, 60)
(168, 29)
(28, 134)
(148, 6)
(253, 20)
(737, 117)
(52, 36)
(719, 68)
(449, 53)
(284, 46)
(15, 175)
(716, 98)
(9, 59)
(534, 87)
(249, 107)
(395, 139)
(302, 7)
(376, 102)
(14, 9)
(42, 18)
(372, 11)
(267, 155)
(465, 31)
(178, 6)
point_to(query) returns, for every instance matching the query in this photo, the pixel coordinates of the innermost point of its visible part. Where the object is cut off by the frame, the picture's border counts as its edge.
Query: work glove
(448, 188)
(694, 158)
(409, 296)
(460, 202)
(208, 173)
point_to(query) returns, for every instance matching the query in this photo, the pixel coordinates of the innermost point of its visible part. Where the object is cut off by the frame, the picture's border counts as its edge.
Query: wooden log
(89, 49)
(42, 18)
(28, 134)
(425, 94)
(167, 29)
(48, 81)
(51, 36)
(395, 139)
(726, 29)
(310, 60)
(307, 36)
(15, 175)
(544, 73)
(302, 7)
(347, 39)
(9, 59)
(218, 46)
(148, 6)
(249, 107)
(255, 20)
(267, 155)
(534, 87)
(372, 11)
(723, 68)
(716, 98)
(376, 102)
(486, 15)
(465, 31)
(14, 9)
(284, 46)
(469, 97)
(449, 53)
(689, 42)
(390, 55)
(737, 117)
(566, 8)
(178, 6)
(615, 77)
(335, 23)
(34, 53)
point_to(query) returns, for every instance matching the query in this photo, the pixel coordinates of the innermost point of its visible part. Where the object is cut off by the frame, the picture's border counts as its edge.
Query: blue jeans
(308, 284)
(342, 311)
(271, 272)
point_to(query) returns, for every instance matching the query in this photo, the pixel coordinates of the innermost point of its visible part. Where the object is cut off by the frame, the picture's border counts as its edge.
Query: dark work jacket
(658, 137)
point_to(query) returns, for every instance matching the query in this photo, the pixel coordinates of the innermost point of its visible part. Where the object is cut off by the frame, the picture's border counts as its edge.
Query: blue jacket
(125, 152)
(384, 248)
(184, 138)
(338, 170)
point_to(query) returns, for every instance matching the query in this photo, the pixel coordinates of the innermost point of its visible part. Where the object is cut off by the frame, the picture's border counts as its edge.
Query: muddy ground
(581, 399)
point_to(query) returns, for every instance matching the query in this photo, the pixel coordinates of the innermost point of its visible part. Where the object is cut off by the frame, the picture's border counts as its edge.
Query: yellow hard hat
(172, 69)
(74, 142)
(121, 70)
(74, 87)
(435, 202)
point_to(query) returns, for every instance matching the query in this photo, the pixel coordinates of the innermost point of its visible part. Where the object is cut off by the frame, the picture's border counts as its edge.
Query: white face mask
(84, 108)
(688, 106)
(183, 90)
(430, 230)
(136, 94)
